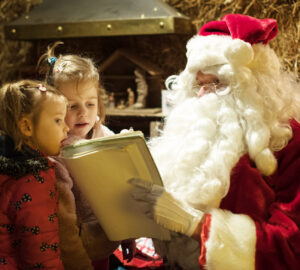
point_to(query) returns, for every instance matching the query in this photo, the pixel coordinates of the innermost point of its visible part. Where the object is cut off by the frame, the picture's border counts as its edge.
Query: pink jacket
(82, 238)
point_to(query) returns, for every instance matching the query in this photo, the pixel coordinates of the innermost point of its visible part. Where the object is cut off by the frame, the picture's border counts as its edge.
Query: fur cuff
(231, 242)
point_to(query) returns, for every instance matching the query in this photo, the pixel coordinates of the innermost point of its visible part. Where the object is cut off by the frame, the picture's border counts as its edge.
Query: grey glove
(166, 210)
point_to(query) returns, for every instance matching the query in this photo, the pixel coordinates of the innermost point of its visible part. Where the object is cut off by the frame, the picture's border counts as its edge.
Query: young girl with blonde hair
(32, 127)
(84, 244)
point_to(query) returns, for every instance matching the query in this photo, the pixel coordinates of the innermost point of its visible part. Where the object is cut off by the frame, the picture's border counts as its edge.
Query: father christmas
(229, 154)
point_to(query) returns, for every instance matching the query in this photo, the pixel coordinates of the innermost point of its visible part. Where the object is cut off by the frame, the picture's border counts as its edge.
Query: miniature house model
(129, 79)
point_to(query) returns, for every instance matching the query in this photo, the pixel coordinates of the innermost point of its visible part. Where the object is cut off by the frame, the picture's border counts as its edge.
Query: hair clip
(60, 67)
(41, 88)
(51, 60)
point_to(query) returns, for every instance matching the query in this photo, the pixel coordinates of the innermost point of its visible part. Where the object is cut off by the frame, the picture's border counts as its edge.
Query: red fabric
(204, 236)
(246, 28)
(140, 261)
(28, 222)
(101, 264)
(273, 203)
(145, 245)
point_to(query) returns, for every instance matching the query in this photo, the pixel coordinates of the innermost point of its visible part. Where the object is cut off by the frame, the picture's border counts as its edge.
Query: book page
(144, 163)
(102, 176)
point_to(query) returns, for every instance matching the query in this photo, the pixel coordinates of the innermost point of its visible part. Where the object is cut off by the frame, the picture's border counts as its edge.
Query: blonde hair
(70, 67)
(22, 98)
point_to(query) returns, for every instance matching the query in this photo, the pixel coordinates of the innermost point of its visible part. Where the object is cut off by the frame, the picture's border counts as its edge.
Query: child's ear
(25, 126)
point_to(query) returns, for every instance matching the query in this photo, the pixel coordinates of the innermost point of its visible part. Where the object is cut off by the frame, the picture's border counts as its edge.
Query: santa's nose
(205, 89)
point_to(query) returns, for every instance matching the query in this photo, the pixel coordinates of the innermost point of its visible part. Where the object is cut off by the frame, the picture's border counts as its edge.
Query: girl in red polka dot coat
(31, 128)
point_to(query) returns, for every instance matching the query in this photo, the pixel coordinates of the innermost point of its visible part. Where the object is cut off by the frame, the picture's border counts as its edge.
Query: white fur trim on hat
(207, 51)
(231, 242)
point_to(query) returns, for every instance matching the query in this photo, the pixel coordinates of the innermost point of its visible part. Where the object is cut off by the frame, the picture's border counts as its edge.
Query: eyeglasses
(213, 87)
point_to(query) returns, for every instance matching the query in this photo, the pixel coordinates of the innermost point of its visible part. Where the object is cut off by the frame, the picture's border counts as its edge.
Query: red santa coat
(257, 224)
(28, 213)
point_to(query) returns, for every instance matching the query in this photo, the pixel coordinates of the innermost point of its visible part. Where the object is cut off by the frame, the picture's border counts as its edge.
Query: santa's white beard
(201, 142)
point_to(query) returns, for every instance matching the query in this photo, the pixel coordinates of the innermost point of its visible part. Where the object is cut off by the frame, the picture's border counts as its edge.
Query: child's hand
(97, 130)
(71, 139)
(126, 130)
(128, 249)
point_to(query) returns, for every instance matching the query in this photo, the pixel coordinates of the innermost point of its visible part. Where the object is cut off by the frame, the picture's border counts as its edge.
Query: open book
(102, 167)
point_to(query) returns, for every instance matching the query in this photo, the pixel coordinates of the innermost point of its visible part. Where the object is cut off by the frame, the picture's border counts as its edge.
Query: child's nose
(82, 111)
(66, 128)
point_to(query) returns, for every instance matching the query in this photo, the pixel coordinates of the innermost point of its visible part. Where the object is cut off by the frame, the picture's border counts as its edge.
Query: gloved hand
(165, 209)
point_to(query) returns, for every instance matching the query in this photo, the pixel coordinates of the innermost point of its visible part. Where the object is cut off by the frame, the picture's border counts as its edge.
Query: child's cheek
(69, 119)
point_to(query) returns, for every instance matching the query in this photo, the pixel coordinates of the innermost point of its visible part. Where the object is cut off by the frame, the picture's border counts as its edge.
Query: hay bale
(286, 12)
(13, 54)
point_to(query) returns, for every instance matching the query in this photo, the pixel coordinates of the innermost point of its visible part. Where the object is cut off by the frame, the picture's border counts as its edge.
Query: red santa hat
(229, 41)
(243, 27)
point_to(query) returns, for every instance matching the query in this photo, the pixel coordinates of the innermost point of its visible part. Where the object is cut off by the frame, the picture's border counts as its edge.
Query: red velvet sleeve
(278, 236)
(273, 203)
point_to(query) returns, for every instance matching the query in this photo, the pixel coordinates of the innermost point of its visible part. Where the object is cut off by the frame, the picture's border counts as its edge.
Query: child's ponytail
(47, 62)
